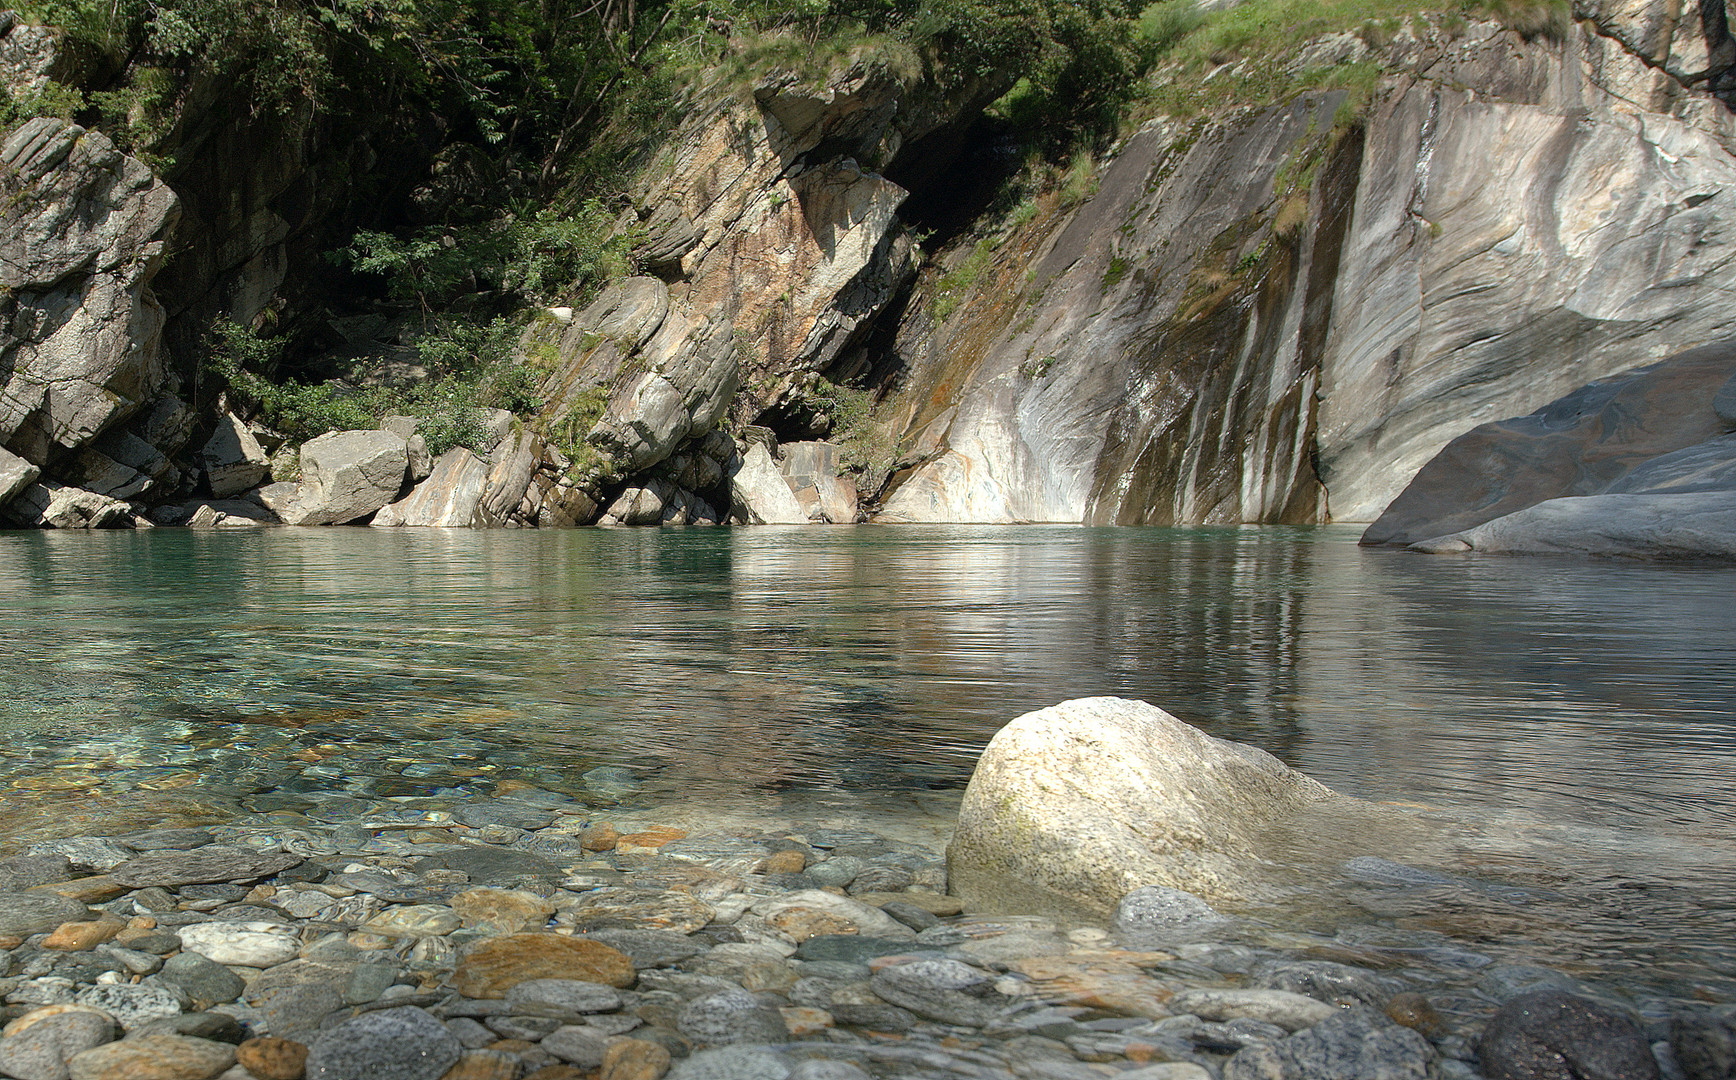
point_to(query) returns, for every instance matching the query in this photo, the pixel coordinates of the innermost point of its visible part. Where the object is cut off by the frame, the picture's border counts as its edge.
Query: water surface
(1589, 706)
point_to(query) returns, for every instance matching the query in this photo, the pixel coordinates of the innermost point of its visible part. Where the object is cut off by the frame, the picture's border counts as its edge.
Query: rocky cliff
(1207, 339)
(1254, 312)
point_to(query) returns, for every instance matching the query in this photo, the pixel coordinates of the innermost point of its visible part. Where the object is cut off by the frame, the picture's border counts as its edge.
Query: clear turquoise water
(1595, 704)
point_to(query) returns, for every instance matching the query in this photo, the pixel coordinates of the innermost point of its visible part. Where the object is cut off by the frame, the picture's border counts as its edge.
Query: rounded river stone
(392, 1044)
(23, 914)
(1551, 1035)
(213, 862)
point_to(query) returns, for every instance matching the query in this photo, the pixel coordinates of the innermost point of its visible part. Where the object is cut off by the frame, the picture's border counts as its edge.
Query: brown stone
(501, 911)
(153, 1057)
(933, 903)
(559, 1072)
(654, 837)
(484, 1065)
(90, 890)
(1414, 1011)
(801, 923)
(18, 1026)
(491, 967)
(602, 837)
(273, 1059)
(803, 1021)
(83, 936)
(634, 1059)
(784, 862)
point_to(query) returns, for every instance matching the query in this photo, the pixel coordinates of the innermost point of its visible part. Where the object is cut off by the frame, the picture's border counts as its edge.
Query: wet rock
(206, 982)
(1704, 1044)
(414, 920)
(273, 1059)
(1339, 984)
(649, 948)
(1414, 1011)
(251, 944)
(391, 1044)
(677, 912)
(635, 1059)
(87, 854)
(1289, 1011)
(20, 872)
(486, 1065)
(942, 990)
(1551, 1035)
(1357, 1044)
(153, 1057)
(733, 1063)
(491, 967)
(495, 866)
(1091, 799)
(215, 1026)
(501, 911)
(38, 1044)
(731, 1016)
(170, 839)
(565, 999)
(23, 914)
(836, 914)
(578, 1046)
(132, 1006)
(214, 862)
(1158, 917)
(51, 505)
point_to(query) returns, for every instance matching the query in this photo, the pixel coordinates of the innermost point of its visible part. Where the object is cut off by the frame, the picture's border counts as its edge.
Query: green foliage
(60, 102)
(962, 278)
(538, 256)
(473, 369)
(863, 445)
(1114, 272)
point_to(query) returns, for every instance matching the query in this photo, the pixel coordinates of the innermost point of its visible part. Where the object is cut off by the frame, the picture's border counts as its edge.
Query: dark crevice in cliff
(954, 176)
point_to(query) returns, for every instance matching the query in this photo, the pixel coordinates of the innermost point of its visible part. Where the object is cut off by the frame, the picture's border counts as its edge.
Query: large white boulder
(1087, 800)
(347, 475)
(451, 496)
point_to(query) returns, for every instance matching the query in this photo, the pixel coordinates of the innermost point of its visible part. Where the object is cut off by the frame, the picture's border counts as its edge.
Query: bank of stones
(528, 937)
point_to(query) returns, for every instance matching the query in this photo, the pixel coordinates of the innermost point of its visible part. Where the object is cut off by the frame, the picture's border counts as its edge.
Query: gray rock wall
(1204, 341)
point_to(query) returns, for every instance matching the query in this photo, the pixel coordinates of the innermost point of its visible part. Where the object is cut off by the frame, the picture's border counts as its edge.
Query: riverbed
(1585, 712)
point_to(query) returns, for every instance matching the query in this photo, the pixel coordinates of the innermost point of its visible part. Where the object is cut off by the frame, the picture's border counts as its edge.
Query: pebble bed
(532, 934)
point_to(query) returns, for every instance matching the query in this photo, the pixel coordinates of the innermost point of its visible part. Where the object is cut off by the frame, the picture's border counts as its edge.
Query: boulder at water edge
(347, 475)
(1088, 800)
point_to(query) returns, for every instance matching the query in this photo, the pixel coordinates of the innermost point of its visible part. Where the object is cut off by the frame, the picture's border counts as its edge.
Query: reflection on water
(851, 665)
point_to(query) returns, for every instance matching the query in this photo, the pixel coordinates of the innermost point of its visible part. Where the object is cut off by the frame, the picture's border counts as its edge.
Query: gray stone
(80, 240)
(348, 475)
(495, 866)
(910, 915)
(23, 914)
(1357, 1044)
(132, 1006)
(1704, 1045)
(577, 1045)
(1158, 917)
(760, 495)
(215, 1026)
(566, 999)
(369, 981)
(251, 944)
(1583, 444)
(852, 948)
(40, 1051)
(731, 1016)
(503, 812)
(814, 475)
(733, 1063)
(93, 470)
(51, 505)
(1093, 798)
(203, 980)
(233, 459)
(89, 853)
(20, 872)
(838, 871)
(1724, 402)
(528, 1028)
(943, 990)
(470, 1034)
(612, 782)
(821, 1069)
(649, 948)
(1551, 1035)
(391, 1044)
(16, 474)
(1338, 984)
(214, 862)
(1292, 1012)
(166, 839)
(451, 496)
(1650, 527)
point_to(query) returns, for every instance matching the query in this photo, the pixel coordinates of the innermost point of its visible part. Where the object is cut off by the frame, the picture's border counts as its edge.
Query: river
(1589, 708)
